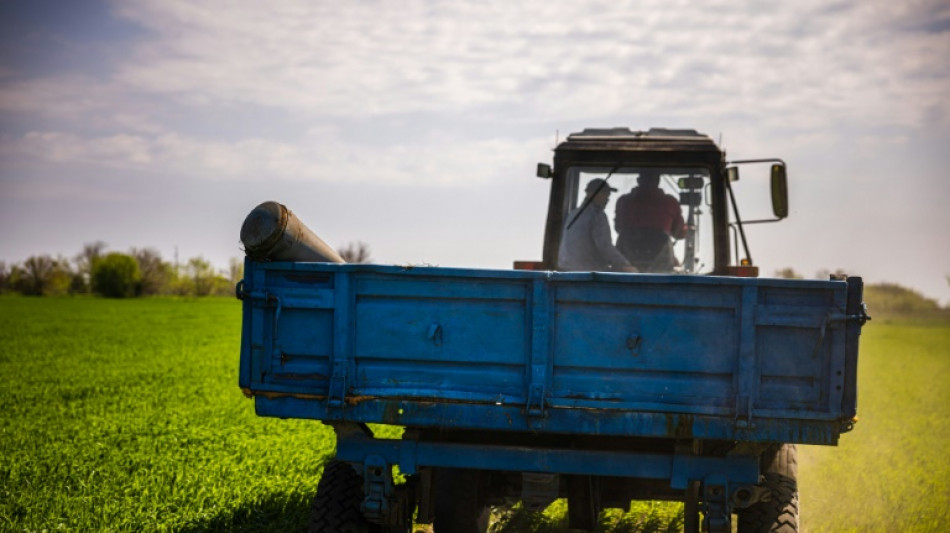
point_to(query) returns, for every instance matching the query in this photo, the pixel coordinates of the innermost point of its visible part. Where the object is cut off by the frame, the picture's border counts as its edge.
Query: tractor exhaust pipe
(271, 232)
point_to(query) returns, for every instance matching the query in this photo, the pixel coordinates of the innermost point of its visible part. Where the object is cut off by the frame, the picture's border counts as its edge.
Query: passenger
(646, 220)
(586, 243)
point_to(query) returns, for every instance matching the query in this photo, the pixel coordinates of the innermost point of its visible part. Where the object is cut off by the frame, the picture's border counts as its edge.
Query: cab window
(651, 197)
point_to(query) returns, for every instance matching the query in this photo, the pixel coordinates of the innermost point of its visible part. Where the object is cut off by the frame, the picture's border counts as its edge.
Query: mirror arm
(771, 160)
(735, 211)
(735, 238)
(762, 220)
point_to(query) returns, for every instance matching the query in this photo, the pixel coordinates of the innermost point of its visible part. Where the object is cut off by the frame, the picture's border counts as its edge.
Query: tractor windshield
(659, 216)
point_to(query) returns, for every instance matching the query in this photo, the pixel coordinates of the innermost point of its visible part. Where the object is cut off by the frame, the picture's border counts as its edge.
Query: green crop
(125, 415)
(891, 473)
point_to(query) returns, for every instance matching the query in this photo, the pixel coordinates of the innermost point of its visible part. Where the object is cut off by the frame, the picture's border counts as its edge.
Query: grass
(641, 517)
(892, 472)
(125, 415)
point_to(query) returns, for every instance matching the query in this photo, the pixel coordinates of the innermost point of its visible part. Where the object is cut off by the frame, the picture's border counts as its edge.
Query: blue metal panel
(746, 372)
(594, 353)
(439, 337)
(678, 469)
(767, 427)
(341, 370)
(539, 371)
(646, 343)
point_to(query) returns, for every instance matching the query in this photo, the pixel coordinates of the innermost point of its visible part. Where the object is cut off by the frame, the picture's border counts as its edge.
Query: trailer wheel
(336, 508)
(459, 506)
(780, 514)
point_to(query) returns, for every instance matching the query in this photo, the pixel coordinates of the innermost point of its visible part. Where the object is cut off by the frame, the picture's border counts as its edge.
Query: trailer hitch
(717, 514)
(377, 488)
(384, 503)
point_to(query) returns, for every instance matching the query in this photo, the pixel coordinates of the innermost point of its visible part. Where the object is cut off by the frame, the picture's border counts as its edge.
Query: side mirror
(779, 191)
(732, 174)
(544, 171)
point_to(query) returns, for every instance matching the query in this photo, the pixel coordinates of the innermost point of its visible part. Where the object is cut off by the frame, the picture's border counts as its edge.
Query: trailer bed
(643, 355)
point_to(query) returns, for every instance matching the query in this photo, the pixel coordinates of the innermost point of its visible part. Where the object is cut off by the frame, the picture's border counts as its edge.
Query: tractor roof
(625, 139)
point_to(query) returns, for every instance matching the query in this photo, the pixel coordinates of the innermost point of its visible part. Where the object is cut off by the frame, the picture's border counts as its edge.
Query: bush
(116, 276)
(788, 273)
(355, 252)
(157, 275)
(201, 276)
(4, 277)
(891, 298)
(41, 275)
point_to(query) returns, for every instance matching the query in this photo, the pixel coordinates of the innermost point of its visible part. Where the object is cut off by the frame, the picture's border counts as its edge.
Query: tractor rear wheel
(780, 513)
(336, 508)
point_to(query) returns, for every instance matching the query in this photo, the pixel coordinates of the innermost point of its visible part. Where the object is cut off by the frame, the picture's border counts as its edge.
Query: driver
(647, 219)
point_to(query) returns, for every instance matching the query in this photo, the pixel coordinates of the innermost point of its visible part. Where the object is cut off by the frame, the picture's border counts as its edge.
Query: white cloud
(116, 151)
(847, 63)
(81, 102)
(64, 97)
(318, 157)
(795, 66)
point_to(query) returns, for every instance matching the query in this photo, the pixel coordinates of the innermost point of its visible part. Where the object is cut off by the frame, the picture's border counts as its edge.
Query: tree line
(143, 272)
(885, 297)
(140, 272)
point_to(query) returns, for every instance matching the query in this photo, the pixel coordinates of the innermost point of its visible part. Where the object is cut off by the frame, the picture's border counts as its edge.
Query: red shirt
(650, 208)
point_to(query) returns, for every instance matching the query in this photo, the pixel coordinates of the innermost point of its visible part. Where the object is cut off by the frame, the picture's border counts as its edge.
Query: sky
(415, 126)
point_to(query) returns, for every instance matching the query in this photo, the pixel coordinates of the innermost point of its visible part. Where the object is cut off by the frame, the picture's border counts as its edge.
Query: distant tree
(222, 285)
(78, 284)
(355, 252)
(235, 270)
(4, 277)
(91, 251)
(42, 275)
(200, 275)
(60, 282)
(788, 273)
(894, 298)
(828, 274)
(17, 280)
(116, 275)
(35, 271)
(156, 274)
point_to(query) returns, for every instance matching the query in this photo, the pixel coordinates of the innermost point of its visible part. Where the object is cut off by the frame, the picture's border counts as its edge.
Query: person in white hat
(586, 244)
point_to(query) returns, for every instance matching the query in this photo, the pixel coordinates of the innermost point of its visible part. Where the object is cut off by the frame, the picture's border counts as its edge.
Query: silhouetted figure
(587, 244)
(647, 220)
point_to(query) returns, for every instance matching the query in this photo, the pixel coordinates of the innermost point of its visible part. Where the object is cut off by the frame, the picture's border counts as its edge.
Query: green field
(892, 473)
(124, 415)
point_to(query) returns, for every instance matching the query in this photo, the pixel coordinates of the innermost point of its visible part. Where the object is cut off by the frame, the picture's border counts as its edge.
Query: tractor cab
(674, 209)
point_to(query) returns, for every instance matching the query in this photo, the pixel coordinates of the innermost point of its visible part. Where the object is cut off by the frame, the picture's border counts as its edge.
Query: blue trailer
(533, 385)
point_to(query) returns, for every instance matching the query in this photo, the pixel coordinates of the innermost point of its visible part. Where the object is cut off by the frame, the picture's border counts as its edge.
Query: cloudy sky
(415, 126)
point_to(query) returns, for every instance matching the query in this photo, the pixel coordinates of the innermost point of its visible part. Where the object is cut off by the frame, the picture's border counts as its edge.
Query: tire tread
(336, 508)
(780, 514)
